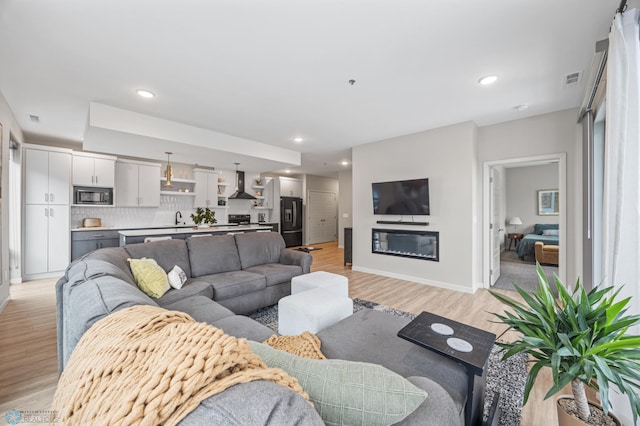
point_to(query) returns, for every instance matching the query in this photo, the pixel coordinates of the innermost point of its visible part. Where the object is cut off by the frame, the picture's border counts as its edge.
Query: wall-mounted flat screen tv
(403, 197)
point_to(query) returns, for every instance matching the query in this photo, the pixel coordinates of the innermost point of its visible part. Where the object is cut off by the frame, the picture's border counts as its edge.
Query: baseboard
(4, 304)
(418, 280)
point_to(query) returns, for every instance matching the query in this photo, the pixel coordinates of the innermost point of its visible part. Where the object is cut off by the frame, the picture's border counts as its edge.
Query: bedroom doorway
(524, 185)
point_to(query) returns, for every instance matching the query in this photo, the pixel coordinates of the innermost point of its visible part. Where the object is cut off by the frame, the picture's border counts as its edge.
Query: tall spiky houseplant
(582, 336)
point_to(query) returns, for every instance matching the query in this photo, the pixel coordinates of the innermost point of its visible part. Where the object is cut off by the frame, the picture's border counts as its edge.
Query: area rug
(524, 275)
(506, 377)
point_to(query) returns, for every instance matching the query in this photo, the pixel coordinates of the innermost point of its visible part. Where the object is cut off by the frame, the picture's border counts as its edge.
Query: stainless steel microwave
(93, 196)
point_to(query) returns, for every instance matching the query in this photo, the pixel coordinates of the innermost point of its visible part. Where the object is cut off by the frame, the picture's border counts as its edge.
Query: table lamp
(515, 222)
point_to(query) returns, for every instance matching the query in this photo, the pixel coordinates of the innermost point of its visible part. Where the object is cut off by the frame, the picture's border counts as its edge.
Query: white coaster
(442, 329)
(459, 344)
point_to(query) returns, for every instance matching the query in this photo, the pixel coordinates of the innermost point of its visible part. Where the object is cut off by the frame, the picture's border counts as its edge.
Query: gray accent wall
(452, 158)
(448, 158)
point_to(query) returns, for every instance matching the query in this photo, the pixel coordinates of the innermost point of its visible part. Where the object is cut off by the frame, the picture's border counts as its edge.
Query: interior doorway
(495, 221)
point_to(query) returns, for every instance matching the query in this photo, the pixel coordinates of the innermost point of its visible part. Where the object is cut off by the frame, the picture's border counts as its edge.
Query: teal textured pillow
(348, 392)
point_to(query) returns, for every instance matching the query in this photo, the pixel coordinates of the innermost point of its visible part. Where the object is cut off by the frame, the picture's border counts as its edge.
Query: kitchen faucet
(178, 217)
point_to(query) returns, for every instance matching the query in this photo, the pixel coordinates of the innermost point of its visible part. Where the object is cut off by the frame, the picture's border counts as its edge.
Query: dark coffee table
(472, 353)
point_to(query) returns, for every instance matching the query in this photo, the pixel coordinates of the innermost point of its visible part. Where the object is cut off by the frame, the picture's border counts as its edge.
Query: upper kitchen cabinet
(47, 176)
(211, 189)
(290, 187)
(93, 170)
(137, 184)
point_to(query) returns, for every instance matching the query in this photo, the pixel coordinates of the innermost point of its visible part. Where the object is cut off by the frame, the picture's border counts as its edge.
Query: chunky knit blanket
(306, 345)
(145, 365)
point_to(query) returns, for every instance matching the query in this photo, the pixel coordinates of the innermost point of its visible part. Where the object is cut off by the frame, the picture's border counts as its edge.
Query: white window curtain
(621, 197)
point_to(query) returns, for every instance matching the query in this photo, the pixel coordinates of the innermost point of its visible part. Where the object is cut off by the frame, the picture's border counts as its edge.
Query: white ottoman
(311, 310)
(320, 279)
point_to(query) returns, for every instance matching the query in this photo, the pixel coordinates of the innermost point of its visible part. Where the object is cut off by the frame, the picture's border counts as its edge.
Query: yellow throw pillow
(149, 276)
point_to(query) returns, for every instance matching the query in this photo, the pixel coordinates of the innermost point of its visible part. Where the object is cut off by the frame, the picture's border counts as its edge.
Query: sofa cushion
(234, 283)
(276, 273)
(167, 253)
(348, 392)
(201, 308)
(107, 261)
(244, 327)
(254, 403)
(258, 248)
(213, 254)
(190, 288)
(150, 277)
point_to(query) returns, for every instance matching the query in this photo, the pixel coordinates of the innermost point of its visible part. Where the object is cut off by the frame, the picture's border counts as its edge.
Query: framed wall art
(548, 202)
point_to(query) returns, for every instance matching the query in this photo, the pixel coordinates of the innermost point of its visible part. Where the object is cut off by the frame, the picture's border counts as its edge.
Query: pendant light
(169, 172)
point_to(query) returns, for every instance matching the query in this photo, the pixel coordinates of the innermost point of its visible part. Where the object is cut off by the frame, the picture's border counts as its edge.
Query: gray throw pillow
(348, 392)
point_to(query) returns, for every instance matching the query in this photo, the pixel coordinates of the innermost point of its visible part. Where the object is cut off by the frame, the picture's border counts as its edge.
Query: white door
(126, 184)
(149, 186)
(104, 170)
(59, 240)
(83, 172)
(322, 217)
(59, 177)
(36, 241)
(36, 176)
(496, 226)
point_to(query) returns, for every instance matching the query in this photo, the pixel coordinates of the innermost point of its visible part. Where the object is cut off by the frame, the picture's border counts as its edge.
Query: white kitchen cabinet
(47, 185)
(93, 170)
(137, 184)
(47, 176)
(47, 242)
(208, 190)
(290, 187)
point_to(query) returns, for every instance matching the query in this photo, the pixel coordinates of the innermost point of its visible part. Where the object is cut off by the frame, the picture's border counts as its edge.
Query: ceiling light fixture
(345, 163)
(487, 80)
(287, 171)
(298, 140)
(145, 93)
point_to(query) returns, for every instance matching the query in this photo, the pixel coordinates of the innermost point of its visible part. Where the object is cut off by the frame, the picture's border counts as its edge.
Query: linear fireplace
(399, 242)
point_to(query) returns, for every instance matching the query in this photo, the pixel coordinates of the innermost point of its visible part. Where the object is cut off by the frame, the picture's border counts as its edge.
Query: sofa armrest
(295, 257)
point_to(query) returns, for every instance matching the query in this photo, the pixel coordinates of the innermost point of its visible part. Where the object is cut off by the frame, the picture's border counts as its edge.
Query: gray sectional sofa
(234, 274)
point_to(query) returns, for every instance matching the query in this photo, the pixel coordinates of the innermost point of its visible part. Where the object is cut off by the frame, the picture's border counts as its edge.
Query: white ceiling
(268, 71)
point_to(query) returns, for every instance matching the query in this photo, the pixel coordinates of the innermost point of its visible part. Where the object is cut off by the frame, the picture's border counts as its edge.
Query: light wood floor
(28, 357)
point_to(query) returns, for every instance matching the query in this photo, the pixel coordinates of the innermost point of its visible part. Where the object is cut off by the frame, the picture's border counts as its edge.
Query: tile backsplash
(145, 217)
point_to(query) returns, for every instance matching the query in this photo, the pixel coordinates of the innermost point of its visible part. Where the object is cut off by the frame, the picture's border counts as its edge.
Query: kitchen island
(132, 236)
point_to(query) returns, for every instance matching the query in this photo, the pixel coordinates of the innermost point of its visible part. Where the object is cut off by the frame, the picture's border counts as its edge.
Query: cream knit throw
(145, 365)
(305, 345)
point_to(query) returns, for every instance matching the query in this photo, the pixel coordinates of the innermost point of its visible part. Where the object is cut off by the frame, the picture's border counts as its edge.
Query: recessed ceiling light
(489, 79)
(345, 163)
(298, 140)
(522, 107)
(287, 171)
(145, 93)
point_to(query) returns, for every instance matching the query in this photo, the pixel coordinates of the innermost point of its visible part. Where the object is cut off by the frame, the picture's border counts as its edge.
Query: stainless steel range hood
(240, 194)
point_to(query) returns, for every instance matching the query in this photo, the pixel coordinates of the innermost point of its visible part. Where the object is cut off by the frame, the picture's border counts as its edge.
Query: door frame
(561, 159)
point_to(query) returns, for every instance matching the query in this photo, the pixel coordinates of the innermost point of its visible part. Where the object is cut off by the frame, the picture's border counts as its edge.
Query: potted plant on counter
(582, 337)
(204, 217)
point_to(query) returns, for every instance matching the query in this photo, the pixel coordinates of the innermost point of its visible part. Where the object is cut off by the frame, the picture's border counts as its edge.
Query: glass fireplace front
(399, 242)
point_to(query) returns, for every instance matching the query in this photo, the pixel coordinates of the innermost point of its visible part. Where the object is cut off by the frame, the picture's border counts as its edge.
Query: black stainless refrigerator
(291, 220)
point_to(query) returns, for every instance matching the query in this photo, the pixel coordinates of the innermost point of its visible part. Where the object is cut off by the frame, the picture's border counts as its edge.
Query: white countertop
(192, 230)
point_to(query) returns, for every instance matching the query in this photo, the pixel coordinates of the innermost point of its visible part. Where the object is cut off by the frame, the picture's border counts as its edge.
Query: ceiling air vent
(34, 118)
(572, 79)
